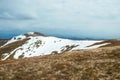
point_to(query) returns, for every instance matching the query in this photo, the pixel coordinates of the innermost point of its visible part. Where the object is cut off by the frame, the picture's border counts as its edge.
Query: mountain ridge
(37, 44)
(60, 36)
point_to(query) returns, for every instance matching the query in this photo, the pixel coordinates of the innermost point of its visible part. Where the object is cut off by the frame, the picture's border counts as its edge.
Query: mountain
(37, 44)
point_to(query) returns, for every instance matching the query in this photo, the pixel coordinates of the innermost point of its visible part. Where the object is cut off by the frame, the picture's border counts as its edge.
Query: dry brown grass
(95, 64)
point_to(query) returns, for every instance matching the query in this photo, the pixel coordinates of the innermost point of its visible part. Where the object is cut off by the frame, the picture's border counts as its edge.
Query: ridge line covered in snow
(44, 45)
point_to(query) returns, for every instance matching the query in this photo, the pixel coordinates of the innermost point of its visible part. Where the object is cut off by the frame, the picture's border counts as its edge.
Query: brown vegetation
(94, 64)
(68, 48)
(3, 41)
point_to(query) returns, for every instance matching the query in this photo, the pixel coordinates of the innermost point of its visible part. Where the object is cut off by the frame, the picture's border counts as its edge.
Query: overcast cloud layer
(78, 18)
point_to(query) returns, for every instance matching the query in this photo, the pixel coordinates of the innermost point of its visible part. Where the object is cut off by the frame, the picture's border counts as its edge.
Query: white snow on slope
(14, 39)
(40, 45)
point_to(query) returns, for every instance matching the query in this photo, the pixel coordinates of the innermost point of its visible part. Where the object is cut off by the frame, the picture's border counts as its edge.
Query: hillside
(95, 64)
(37, 44)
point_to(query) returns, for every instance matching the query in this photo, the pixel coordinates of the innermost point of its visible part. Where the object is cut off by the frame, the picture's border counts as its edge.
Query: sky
(98, 19)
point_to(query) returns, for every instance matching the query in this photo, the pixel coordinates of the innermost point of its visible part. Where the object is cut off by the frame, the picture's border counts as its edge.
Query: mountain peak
(33, 34)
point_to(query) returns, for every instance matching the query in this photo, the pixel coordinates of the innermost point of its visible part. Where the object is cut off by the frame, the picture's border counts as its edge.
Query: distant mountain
(36, 44)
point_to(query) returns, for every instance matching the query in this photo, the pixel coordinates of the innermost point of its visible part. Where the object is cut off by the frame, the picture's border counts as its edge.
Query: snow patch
(14, 39)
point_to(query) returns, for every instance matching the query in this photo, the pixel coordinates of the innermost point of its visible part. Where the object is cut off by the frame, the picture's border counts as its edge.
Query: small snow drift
(36, 44)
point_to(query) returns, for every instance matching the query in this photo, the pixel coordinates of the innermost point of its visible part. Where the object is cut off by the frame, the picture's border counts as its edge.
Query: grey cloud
(8, 16)
(81, 17)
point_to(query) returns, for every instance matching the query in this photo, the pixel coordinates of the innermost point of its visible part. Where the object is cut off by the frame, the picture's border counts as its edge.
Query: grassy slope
(95, 64)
